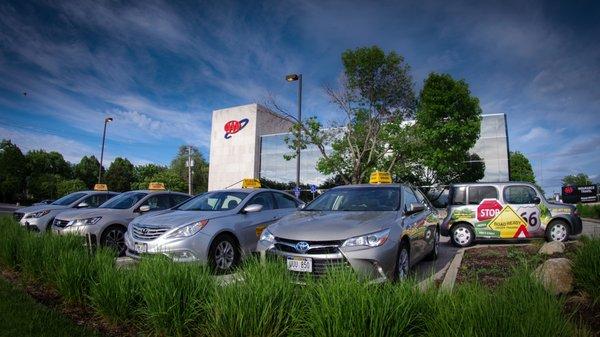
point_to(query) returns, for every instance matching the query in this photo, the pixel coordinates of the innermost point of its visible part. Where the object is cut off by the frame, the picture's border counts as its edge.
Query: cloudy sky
(160, 68)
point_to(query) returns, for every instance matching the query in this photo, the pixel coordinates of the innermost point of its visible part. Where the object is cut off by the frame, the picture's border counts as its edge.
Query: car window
(478, 193)
(265, 199)
(459, 195)
(284, 201)
(409, 198)
(519, 195)
(421, 198)
(124, 200)
(69, 198)
(357, 199)
(177, 199)
(214, 201)
(96, 200)
(157, 202)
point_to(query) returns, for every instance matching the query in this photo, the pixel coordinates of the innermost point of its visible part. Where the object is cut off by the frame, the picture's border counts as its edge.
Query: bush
(589, 211)
(586, 268)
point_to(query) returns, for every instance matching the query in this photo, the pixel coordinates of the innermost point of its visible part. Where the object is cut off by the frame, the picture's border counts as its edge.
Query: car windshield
(124, 200)
(69, 198)
(357, 199)
(214, 201)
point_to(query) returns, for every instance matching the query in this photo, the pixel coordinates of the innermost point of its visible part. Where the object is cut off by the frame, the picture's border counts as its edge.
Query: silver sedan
(218, 228)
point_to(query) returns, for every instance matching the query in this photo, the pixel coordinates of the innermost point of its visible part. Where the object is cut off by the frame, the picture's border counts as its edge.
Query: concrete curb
(430, 281)
(591, 220)
(450, 277)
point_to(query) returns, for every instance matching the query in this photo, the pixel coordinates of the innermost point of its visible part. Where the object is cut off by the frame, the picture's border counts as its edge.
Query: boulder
(552, 247)
(556, 275)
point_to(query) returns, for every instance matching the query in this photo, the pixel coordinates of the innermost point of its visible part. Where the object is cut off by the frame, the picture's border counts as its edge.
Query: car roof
(369, 185)
(497, 183)
(98, 192)
(157, 191)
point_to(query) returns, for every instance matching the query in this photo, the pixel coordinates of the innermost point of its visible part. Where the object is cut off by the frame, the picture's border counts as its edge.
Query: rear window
(478, 193)
(458, 195)
(519, 195)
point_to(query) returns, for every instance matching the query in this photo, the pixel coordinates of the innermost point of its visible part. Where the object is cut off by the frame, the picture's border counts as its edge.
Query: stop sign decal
(488, 209)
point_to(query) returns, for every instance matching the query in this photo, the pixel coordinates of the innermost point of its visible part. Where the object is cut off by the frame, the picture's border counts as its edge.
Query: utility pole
(189, 165)
(106, 121)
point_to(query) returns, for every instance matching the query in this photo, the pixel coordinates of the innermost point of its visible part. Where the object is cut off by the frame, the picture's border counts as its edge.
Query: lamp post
(106, 121)
(293, 78)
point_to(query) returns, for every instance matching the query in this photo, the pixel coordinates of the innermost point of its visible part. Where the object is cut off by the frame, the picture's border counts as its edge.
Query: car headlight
(86, 222)
(189, 229)
(369, 240)
(267, 236)
(37, 214)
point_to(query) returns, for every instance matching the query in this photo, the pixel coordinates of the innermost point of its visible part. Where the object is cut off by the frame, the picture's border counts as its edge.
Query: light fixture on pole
(293, 78)
(106, 121)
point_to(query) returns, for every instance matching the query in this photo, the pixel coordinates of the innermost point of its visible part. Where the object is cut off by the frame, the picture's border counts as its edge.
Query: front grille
(147, 233)
(61, 223)
(18, 215)
(315, 247)
(320, 266)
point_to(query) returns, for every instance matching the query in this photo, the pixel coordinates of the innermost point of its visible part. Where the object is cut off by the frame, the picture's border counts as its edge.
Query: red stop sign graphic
(488, 209)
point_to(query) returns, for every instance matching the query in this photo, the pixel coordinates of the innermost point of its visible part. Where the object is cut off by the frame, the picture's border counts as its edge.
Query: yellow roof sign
(250, 183)
(507, 222)
(100, 187)
(379, 177)
(156, 186)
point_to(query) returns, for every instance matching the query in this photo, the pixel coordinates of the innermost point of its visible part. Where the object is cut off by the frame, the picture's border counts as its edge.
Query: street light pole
(106, 121)
(292, 78)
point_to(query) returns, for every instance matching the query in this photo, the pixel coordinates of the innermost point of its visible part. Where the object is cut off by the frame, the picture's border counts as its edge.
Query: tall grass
(11, 236)
(262, 302)
(586, 268)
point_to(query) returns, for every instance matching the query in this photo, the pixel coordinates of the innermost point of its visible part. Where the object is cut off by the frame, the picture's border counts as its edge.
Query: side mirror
(83, 205)
(536, 200)
(415, 208)
(252, 208)
(144, 209)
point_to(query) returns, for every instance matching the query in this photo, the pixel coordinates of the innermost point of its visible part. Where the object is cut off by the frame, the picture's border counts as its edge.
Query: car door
(431, 220)
(484, 203)
(414, 225)
(524, 200)
(156, 202)
(252, 224)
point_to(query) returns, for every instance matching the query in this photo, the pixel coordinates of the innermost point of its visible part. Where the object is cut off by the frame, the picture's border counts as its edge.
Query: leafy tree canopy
(65, 187)
(12, 171)
(87, 171)
(520, 168)
(40, 162)
(580, 179)
(199, 171)
(119, 175)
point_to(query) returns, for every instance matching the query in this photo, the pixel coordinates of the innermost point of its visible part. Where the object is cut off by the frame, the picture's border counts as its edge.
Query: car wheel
(557, 231)
(224, 254)
(433, 255)
(403, 263)
(462, 235)
(114, 237)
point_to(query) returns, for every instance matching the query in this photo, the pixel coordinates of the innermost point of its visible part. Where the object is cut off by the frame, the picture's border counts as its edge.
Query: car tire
(558, 230)
(402, 262)
(114, 237)
(433, 255)
(462, 235)
(224, 254)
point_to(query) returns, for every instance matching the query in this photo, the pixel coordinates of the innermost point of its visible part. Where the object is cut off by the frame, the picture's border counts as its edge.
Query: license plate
(140, 247)
(301, 264)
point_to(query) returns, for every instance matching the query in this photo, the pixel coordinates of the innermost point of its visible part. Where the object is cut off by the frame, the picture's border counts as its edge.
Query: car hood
(91, 213)
(329, 226)
(175, 218)
(37, 208)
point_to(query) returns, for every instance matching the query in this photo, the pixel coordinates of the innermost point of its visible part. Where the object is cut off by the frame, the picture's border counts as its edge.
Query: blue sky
(160, 68)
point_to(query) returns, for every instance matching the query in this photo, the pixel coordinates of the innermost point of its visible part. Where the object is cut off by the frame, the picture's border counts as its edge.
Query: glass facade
(492, 148)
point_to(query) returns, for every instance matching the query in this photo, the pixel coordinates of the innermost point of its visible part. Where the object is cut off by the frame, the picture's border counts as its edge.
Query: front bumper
(377, 263)
(187, 249)
(36, 224)
(92, 231)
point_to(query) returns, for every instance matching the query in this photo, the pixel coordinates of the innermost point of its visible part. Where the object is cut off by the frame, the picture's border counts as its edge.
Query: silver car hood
(176, 218)
(37, 208)
(92, 212)
(333, 225)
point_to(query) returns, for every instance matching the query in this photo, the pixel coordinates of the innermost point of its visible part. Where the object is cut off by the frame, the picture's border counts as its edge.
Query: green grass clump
(589, 211)
(11, 237)
(174, 296)
(586, 268)
(262, 302)
(77, 272)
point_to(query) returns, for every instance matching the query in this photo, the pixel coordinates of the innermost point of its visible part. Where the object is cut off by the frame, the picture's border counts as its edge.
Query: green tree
(520, 168)
(144, 173)
(376, 95)
(41, 162)
(65, 187)
(119, 175)
(171, 180)
(448, 121)
(12, 171)
(199, 171)
(580, 179)
(87, 171)
(44, 186)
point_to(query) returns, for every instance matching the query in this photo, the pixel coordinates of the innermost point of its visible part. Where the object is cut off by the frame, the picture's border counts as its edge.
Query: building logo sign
(233, 127)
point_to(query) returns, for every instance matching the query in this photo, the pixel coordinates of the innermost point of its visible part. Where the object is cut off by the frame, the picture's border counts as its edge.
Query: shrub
(589, 211)
(263, 302)
(173, 296)
(586, 268)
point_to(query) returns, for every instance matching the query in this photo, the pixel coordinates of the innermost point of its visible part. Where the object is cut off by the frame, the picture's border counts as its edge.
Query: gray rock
(552, 247)
(556, 275)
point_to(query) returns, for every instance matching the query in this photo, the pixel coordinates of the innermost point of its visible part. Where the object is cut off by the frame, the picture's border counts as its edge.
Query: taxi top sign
(100, 187)
(379, 177)
(250, 183)
(156, 186)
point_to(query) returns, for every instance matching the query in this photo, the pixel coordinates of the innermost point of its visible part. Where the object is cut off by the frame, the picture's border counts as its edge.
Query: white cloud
(537, 134)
